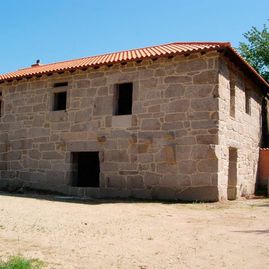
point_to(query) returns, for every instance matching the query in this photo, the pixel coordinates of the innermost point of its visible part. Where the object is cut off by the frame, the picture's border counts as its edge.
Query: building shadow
(262, 232)
(57, 197)
(266, 204)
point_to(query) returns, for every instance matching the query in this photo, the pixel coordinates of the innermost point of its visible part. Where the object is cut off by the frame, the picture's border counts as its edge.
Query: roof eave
(238, 60)
(72, 69)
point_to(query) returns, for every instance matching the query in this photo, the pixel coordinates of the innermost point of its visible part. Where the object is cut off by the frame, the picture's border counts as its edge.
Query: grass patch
(19, 262)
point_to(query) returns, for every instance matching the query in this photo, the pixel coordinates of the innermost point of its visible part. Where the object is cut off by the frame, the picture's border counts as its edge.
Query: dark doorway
(86, 169)
(232, 174)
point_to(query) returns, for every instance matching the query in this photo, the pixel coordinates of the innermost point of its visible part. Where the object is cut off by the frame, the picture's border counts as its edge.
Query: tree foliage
(256, 49)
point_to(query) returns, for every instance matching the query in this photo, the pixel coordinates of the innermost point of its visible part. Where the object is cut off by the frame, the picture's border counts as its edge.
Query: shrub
(18, 262)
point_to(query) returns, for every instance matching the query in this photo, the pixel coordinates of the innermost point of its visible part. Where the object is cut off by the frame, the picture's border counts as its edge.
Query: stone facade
(174, 145)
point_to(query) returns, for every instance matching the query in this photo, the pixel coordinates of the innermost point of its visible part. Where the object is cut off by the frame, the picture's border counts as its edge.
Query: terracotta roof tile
(129, 55)
(110, 58)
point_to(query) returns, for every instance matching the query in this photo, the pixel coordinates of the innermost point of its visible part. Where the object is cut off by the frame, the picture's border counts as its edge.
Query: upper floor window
(1, 104)
(59, 101)
(59, 97)
(60, 84)
(124, 99)
(232, 96)
(247, 101)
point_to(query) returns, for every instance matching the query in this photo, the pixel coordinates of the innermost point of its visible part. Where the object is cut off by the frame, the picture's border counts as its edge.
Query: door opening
(232, 174)
(86, 169)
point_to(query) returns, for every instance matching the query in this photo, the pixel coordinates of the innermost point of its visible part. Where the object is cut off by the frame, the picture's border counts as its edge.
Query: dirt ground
(120, 234)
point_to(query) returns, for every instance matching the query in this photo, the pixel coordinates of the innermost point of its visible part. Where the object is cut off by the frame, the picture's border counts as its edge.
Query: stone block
(207, 139)
(97, 82)
(204, 104)
(34, 154)
(206, 77)
(14, 185)
(22, 144)
(209, 166)
(77, 146)
(178, 79)
(187, 167)
(135, 182)
(199, 91)
(102, 106)
(116, 156)
(201, 179)
(52, 155)
(151, 179)
(163, 193)
(204, 124)
(47, 146)
(150, 124)
(38, 132)
(183, 152)
(121, 121)
(175, 90)
(167, 154)
(203, 193)
(174, 117)
(166, 168)
(203, 152)
(115, 181)
(181, 105)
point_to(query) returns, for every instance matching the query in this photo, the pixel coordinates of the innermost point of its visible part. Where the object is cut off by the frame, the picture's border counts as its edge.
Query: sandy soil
(136, 235)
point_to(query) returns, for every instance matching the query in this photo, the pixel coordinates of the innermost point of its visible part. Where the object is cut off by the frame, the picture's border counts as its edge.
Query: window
(124, 99)
(60, 84)
(59, 101)
(247, 101)
(59, 96)
(232, 97)
(1, 104)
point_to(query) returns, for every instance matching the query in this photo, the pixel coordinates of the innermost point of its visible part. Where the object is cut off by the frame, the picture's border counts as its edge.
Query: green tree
(256, 49)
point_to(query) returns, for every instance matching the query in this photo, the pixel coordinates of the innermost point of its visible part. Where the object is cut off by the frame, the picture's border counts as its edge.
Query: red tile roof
(125, 56)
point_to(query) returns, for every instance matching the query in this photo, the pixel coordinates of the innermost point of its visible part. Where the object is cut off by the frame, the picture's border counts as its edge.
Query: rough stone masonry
(195, 125)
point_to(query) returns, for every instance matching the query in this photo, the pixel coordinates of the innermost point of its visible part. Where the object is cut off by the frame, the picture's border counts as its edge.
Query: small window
(232, 97)
(247, 101)
(59, 101)
(124, 99)
(1, 104)
(60, 84)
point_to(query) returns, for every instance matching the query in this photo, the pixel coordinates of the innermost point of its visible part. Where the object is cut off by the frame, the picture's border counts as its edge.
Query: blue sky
(56, 30)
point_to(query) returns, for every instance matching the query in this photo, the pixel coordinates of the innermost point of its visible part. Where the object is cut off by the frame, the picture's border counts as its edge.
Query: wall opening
(60, 84)
(247, 101)
(86, 169)
(59, 101)
(232, 174)
(124, 99)
(1, 104)
(232, 96)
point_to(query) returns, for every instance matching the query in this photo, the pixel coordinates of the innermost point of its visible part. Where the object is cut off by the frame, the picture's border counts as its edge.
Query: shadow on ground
(262, 232)
(43, 195)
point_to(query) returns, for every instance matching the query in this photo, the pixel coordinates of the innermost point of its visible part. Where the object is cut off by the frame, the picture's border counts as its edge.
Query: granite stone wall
(241, 131)
(173, 146)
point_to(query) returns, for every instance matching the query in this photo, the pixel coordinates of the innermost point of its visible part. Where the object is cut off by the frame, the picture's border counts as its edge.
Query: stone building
(176, 121)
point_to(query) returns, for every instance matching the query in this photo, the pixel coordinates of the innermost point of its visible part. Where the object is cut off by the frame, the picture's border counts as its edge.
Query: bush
(18, 262)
